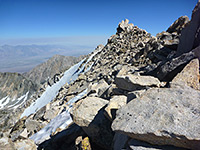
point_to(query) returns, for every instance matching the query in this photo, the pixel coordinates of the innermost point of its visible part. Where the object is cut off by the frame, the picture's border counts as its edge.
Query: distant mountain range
(23, 58)
(56, 64)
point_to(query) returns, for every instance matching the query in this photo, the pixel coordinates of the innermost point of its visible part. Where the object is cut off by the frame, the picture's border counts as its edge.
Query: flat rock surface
(132, 82)
(85, 110)
(189, 75)
(167, 116)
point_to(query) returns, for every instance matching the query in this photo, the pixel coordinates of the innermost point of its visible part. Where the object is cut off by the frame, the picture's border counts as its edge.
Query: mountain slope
(48, 69)
(14, 89)
(114, 103)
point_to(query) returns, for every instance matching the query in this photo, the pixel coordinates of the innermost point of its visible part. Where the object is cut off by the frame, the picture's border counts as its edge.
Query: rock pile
(141, 94)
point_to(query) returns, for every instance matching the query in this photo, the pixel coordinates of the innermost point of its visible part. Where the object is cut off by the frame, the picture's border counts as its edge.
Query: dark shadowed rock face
(58, 63)
(178, 25)
(190, 36)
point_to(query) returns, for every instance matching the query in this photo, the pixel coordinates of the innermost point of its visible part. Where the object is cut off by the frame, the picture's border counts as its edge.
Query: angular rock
(132, 82)
(98, 89)
(24, 134)
(189, 75)
(85, 110)
(172, 44)
(190, 37)
(32, 126)
(115, 103)
(168, 70)
(124, 26)
(89, 114)
(167, 116)
(26, 144)
(178, 25)
(140, 145)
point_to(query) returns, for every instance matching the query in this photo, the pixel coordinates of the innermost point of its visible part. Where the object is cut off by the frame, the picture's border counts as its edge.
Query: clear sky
(20, 19)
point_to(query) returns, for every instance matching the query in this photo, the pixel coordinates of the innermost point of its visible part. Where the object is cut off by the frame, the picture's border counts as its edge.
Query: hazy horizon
(75, 27)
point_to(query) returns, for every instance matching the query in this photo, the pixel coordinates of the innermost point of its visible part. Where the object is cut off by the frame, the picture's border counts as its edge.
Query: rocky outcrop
(14, 86)
(168, 70)
(178, 25)
(168, 116)
(117, 101)
(134, 82)
(189, 75)
(190, 36)
(114, 104)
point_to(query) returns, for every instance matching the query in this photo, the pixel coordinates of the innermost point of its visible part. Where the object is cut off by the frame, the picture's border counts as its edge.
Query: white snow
(18, 101)
(60, 121)
(4, 101)
(51, 91)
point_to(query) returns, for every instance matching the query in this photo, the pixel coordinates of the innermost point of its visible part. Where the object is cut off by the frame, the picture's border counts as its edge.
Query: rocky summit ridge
(138, 92)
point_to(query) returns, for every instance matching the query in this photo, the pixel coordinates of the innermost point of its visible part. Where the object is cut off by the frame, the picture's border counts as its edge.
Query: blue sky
(44, 19)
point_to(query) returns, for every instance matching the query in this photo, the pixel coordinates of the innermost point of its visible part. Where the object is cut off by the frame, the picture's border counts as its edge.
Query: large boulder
(132, 82)
(190, 35)
(168, 70)
(89, 114)
(85, 110)
(115, 103)
(178, 25)
(133, 144)
(189, 75)
(167, 116)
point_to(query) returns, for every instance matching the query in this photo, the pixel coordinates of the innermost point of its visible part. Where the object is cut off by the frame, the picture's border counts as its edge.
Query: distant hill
(22, 58)
(48, 69)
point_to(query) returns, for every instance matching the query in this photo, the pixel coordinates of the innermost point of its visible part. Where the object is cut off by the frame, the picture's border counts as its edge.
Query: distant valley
(22, 58)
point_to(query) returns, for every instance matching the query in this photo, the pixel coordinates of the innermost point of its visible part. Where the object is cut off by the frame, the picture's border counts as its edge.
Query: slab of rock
(190, 36)
(132, 82)
(115, 103)
(26, 144)
(85, 110)
(167, 116)
(168, 70)
(140, 145)
(89, 114)
(98, 89)
(189, 75)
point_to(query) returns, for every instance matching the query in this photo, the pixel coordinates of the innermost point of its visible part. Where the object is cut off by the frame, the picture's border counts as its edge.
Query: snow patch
(60, 121)
(51, 91)
(4, 101)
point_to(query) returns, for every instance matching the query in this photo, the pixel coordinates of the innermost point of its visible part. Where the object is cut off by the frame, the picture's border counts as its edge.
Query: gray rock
(178, 25)
(98, 89)
(32, 126)
(167, 116)
(132, 82)
(140, 145)
(169, 69)
(48, 69)
(190, 37)
(189, 75)
(85, 110)
(89, 114)
(114, 104)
